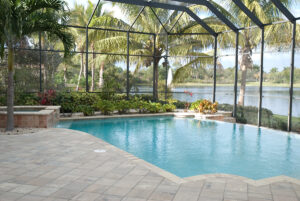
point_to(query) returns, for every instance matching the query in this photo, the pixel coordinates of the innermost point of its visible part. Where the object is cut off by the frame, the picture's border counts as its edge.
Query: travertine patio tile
(212, 194)
(162, 196)
(284, 198)
(6, 177)
(216, 186)
(24, 189)
(55, 199)
(44, 191)
(235, 195)
(258, 199)
(11, 196)
(40, 181)
(20, 179)
(236, 186)
(203, 198)
(8, 186)
(117, 191)
(133, 199)
(31, 198)
(65, 193)
(143, 190)
(86, 196)
(261, 189)
(284, 192)
(77, 186)
(260, 196)
(187, 194)
(96, 188)
(109, 198)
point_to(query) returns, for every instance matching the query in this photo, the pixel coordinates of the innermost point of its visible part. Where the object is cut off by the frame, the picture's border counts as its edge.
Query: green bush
(178, 104)
(105, 106)
(169, 107)
(87, 110)
(153, 107)
(249, 115)
(123, 106)
(194, 105)
(2, 100)
(67, 101)
(70, 102)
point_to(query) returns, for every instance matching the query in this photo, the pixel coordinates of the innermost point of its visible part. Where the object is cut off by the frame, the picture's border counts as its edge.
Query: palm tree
(141, 44)
(22, 18)
(98, 40)
(106, 42)
(80, 16)
(249, 38)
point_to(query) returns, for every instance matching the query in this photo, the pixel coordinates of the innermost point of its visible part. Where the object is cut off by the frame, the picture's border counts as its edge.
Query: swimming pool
(188, 147)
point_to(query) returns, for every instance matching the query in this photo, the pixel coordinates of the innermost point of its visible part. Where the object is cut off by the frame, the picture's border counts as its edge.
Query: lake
(275, 99)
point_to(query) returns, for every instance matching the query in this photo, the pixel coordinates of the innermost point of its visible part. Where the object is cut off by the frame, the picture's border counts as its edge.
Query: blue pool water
(188, 147)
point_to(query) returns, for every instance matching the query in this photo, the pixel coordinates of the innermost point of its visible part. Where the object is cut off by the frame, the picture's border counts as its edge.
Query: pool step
(229, 119)
(225, 113)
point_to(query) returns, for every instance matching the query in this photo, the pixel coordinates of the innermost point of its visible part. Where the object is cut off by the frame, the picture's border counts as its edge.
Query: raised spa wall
(32, 116)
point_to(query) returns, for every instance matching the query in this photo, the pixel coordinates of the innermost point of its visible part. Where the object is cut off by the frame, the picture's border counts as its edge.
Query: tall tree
(23, 18)
(250, 39)
(144, 45)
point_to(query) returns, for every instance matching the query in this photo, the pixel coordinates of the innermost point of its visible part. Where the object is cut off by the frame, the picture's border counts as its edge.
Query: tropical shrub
(153, 107)
(47, 98)
(139, 105)
(123, 106)
(87, 110)
(204, 106)
(168, 107)
(25, 99)
(67, 101)
(2, 100)
(105, 106)
(178, 104)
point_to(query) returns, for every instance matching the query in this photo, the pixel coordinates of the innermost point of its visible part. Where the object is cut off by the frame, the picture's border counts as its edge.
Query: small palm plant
(19, 19)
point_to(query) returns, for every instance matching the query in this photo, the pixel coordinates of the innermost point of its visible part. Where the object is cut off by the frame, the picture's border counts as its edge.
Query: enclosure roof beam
(159, 20)
(169, 7)
(94, 11)
(242, 6)
(213, 9)
(200, 21)
(137, 18)
(284, 10)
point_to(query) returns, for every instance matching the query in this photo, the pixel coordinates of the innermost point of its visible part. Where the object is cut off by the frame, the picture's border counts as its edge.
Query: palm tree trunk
(101, 81)
(65, 74)
(93, 69)
(80, 72)
(246, 63)
(156, 62)
(10, 91)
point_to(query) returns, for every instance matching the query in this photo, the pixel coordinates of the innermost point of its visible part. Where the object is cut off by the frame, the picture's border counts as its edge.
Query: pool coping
(179, 180)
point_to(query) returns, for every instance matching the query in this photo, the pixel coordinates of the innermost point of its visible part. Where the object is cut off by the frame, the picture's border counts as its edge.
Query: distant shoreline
(252, 84)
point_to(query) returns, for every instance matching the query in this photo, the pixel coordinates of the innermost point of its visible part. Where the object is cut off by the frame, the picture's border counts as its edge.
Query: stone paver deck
(61, 165)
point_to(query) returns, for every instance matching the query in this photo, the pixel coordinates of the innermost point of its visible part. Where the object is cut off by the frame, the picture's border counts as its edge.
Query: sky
(275, 59)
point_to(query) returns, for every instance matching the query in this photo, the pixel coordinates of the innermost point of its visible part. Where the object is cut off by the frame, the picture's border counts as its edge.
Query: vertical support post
(154, 58)
(292, 77)
(167, 67)
(127, 72)
(40, 51)
(215, 68)
(261, 77)
(236, 72)
(87, 61)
